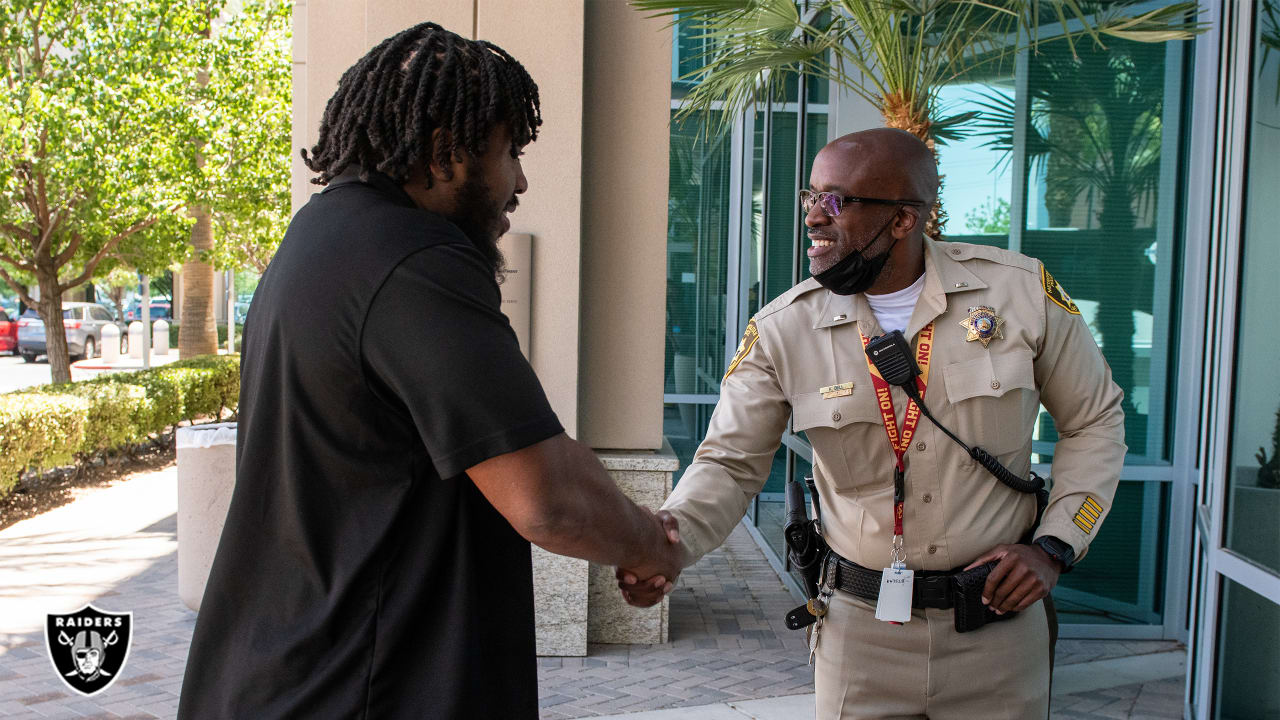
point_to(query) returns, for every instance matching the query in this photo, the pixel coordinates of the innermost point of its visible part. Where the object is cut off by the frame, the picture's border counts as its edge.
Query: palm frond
(954, 127)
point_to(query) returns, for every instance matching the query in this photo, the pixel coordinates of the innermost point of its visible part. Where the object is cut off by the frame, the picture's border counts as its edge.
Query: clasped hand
(646, 585)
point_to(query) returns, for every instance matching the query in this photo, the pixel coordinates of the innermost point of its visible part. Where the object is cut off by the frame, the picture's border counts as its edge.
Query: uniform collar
(943, 276)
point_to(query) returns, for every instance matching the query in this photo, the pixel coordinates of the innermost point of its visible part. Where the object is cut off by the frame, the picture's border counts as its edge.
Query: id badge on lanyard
(894, 602)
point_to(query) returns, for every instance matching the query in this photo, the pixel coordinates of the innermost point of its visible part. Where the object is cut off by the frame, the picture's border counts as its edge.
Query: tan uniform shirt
(989, 396)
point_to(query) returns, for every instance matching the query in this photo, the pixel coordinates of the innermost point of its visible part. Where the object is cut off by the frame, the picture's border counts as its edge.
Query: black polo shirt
(360, 573)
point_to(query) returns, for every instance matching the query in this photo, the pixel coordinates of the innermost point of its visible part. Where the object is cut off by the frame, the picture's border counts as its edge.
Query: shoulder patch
(1056, 293)
(749, 339)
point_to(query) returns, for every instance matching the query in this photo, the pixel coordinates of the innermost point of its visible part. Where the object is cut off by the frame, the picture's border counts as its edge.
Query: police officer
(995, 337)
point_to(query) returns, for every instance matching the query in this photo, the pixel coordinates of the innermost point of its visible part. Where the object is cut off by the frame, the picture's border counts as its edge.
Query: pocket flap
(812, 410)
(989, 376)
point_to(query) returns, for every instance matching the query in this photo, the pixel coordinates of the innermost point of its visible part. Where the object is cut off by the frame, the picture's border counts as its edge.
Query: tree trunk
(55, 332)
(197, 334)
(117, 299)
(1115, 309)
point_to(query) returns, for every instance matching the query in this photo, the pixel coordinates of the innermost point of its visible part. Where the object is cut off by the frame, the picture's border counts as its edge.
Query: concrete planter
(206, 477)
(576, 602)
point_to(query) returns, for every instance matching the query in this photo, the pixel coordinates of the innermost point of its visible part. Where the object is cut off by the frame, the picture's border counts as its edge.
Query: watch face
(1057, 549)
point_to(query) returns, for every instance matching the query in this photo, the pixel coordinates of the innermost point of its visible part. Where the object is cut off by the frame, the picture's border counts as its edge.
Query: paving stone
(727, 643)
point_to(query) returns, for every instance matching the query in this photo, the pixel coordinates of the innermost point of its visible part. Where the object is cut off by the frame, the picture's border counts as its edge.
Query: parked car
(159, 309)
(83, 321)
(8, 334)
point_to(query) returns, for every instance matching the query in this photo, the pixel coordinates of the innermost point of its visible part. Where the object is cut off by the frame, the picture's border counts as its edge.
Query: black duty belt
(958, 590)
(930, 588)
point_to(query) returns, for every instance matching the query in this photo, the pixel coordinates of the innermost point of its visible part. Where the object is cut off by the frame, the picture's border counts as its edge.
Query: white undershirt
(893, 310)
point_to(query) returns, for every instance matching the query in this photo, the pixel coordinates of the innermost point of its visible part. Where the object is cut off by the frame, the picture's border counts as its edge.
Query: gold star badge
(983, 325)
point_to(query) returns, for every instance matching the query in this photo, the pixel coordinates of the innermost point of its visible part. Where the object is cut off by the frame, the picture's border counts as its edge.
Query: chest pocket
(993, 400)
(847, 437)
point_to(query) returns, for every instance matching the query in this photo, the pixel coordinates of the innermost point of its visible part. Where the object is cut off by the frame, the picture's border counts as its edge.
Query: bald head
(890, 160)
(876, 165)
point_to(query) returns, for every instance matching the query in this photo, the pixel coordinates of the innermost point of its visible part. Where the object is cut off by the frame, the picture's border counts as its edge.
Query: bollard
(110, 343)
(135, 339)
(160, 337)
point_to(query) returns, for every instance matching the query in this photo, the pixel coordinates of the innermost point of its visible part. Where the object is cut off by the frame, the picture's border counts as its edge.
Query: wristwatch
(1056, 549)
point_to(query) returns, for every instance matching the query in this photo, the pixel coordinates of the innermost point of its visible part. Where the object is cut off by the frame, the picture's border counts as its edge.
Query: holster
(806, 550)
(805, 547)
(970, 612)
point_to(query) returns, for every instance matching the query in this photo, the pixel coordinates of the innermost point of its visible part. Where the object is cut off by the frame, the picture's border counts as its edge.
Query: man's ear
(444, 173)
(907, 220)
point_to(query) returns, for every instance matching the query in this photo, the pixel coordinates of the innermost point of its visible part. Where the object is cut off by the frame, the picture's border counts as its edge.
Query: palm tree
(897, 54)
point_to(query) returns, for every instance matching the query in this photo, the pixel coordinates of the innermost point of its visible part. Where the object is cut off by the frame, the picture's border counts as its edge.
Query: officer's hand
(1024, 575)
(647, 592)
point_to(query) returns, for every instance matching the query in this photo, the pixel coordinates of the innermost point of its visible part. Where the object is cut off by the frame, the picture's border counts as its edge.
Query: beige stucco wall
(546, 37)
(330, 35)
(626, 136)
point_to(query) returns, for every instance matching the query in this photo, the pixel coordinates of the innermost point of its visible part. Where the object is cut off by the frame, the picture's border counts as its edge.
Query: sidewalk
(730, 658)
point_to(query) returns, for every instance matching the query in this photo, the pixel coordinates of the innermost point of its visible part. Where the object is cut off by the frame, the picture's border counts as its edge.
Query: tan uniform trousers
(869, 669)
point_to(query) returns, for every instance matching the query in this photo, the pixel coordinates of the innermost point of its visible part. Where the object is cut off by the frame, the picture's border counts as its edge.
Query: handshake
(646, 584)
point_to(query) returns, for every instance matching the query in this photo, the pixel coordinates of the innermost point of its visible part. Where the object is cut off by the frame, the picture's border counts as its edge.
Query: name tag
(894, 603)
(835, 391)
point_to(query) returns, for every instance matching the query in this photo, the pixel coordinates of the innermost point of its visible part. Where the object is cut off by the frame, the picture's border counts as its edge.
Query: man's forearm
(588, 517)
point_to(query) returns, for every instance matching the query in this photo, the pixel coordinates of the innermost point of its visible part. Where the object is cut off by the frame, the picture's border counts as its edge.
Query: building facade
(1140, 174)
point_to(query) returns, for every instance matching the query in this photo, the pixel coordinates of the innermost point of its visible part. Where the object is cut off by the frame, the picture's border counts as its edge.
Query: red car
(8, 334)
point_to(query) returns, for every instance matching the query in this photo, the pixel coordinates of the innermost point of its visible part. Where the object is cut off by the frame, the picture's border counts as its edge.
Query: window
(1253, 493)
(1101, 178)
(1248, 633)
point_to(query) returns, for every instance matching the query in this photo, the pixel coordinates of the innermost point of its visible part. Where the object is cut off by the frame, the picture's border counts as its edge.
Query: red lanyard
(899, 442)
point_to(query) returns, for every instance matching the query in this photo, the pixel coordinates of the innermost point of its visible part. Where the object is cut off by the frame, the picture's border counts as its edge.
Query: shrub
(110, 416)
(38, 429)
(54, 424)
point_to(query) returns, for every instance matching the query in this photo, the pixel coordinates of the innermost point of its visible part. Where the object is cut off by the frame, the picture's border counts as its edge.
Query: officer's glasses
(831, 203)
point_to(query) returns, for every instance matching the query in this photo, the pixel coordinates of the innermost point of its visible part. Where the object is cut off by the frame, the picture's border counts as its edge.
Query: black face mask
(854, 273)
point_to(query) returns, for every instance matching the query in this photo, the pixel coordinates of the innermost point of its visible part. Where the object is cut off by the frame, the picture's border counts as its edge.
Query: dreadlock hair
(389, 104)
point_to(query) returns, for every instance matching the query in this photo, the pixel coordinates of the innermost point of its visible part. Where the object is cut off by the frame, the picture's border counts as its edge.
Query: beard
(478, 215)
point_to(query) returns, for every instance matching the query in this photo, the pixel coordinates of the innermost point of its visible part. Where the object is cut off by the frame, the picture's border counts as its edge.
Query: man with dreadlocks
(396, 454)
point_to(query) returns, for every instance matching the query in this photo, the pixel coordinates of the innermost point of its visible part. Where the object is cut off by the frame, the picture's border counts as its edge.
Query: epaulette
(969, 251)
(807, 286)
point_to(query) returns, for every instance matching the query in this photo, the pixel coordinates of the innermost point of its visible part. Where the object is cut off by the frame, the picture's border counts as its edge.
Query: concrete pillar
(626, 136)
(110, 344)
(160, 337)
(135, 339)
(547, 38)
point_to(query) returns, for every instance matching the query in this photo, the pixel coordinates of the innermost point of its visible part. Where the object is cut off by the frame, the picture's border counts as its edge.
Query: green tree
(897, 54)
(243, 139)
(89, 162)
(991, 217)
(247, 158)
(108, 137)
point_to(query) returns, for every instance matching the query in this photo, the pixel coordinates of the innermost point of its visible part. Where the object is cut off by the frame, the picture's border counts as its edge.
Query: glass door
(1237, 626)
